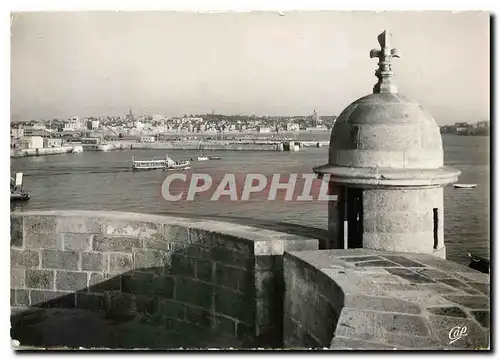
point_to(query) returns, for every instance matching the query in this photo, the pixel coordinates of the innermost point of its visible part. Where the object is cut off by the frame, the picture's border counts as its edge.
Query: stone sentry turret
(386, 166)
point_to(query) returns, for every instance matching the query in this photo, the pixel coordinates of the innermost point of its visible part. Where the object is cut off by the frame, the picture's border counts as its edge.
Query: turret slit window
(436, 226)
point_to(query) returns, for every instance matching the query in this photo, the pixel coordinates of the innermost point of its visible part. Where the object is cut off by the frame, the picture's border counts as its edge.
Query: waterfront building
(17, 133)
(147, 139)
(32, 142)
(52, 142)
(94, 124)
(74, 124)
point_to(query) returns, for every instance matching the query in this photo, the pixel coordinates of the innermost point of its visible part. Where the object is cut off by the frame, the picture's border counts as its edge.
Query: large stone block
(174, 233)
(52, 299)
(197, 252)
(205, 238)
(204, 270)
(300, 245)
(79, 225)
(17, 277)
(164, 287)
(149, 258)
(40, 279)
(119, 263)
(77, 241)
(153, 243)
(381, 303)
(228, 277)
(71, 280)
(183, 266)
(99, 282)
(193, 292)
(60, 259)
(20, 297)
(92, 261)
(24, 258)
(92, 302)
(120, 303)
(40, 224)
(234, 305)
(232, 258)
(16, 231)
(33, 240)
(139, 283)
(235, 243)
(115, 243)
(269, 247)
(130, 228)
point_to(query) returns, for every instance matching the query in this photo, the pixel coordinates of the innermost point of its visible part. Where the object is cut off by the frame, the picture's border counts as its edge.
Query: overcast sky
(98, 64)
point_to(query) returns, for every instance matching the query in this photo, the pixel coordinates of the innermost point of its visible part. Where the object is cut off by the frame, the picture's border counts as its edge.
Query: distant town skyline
(104, 63)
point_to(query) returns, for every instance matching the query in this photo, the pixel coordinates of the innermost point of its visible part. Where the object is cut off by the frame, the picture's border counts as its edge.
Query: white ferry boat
(163, 164)
(203, 158)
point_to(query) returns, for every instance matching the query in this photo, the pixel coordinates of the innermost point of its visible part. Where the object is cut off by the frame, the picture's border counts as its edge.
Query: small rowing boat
(479, 263)
(464, 186)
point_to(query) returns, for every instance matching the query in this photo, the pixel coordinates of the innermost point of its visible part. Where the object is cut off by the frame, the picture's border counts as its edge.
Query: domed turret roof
(386, 130)
(384, 138)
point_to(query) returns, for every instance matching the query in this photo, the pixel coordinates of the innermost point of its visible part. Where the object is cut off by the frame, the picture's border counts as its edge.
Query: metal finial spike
(384, 72)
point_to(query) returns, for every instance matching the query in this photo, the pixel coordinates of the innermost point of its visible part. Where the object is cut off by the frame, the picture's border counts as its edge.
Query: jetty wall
(209, 146)
(41, 152)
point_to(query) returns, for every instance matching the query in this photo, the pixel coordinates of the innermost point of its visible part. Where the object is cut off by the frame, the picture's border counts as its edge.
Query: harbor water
(104, 181)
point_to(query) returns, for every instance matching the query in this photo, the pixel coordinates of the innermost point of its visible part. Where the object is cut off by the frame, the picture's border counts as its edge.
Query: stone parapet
(366, 299)
(182, 274)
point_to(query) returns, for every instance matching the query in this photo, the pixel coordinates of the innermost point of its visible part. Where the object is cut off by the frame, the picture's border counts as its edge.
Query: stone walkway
(403, 301)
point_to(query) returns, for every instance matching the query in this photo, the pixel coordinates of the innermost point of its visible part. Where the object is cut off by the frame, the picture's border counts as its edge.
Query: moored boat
(214, 157)
(19, 196)
(203, 158)
(17, 192)
(77, 149)
(479, 263)
(464, 186)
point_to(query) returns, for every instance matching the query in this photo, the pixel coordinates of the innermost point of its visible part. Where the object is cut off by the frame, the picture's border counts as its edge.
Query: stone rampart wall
(373, 300)
(186, 275)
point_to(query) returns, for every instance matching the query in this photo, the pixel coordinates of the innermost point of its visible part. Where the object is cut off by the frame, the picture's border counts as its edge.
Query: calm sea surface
(104, 181)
